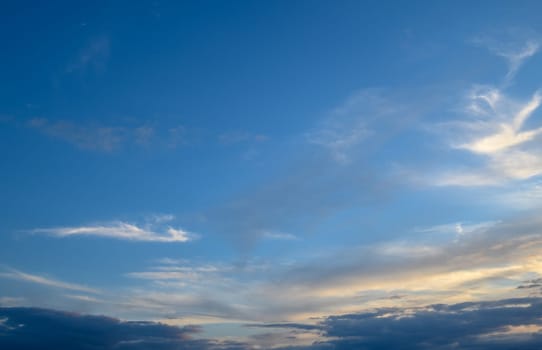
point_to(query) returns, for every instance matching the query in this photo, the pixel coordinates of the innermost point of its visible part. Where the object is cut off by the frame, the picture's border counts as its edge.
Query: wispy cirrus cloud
(459, 228)
(497, 134)
(93, 55)
(512, 45)
(110, 137)
(347, 126)
(326, 173)
(277, 235)
(45, 281)
(149, 232)
(89, 137)
(478, 261)
(504, 127)
(497, 129)
(233, 137)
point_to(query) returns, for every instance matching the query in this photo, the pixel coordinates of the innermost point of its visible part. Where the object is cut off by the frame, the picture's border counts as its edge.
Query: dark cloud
(536, 283)
(32, 328)
(467, 326)
(481, 325)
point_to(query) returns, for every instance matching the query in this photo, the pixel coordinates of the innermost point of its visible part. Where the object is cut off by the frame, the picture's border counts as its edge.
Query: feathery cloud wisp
(506, 132)
(515, 52)
(31, 278)
(497, 129)
(121, 230)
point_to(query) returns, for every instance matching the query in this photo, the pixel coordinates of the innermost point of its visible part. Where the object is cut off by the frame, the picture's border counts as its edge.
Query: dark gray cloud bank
(33, 328)
(503, 324)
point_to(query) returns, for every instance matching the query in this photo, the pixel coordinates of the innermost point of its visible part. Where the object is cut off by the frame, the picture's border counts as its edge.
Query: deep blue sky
(232, 162)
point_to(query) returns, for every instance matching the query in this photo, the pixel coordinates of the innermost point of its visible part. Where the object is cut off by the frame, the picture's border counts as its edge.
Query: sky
(295, 175)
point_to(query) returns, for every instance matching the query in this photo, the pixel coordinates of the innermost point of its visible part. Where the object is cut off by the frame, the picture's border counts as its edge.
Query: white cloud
(339, 139)
(498, 131)
(276, 235)
(466, 178)
(161, 218)
(346, 127)
(498, 135)
(26, 277)
(505, 131)
(122, 230)
(515, 49)
(161, 275)
(459, 228)
(527, 196)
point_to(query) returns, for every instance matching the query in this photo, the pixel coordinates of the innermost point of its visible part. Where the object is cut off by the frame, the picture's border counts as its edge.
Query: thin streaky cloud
(50, 282)
(459, 228)
(495, 128)
(277, 235)
(513, 50)
(88, 137)
(121, 230)
(234, 137)
(94, 55)
(508, 133)
(109, 137)
(515, 60)
(348, 126)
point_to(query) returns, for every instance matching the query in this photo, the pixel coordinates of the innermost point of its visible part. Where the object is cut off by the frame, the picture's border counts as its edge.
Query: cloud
(176, 136)
(488, 262)
(89, 137)
(327, 171)
(497, 134)
(349, 125)
(31, 328)
(94, 55)
(498, 130)
(124, 231)
(339, 139)
(459, 228)
(49, 282)
(522, 196)
(506, 131)
(477, 261)
(289, 325)
(512, 45)
(233, 137)
(110, 137)
(502, 324)
(484, 261)
(279, 236)
(11, 301)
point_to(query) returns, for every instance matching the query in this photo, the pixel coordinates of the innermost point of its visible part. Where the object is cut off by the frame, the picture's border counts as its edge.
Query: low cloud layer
(31, 328)
(503, 324)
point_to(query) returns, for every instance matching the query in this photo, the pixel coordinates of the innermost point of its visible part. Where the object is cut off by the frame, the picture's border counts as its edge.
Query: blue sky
(272, 174)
